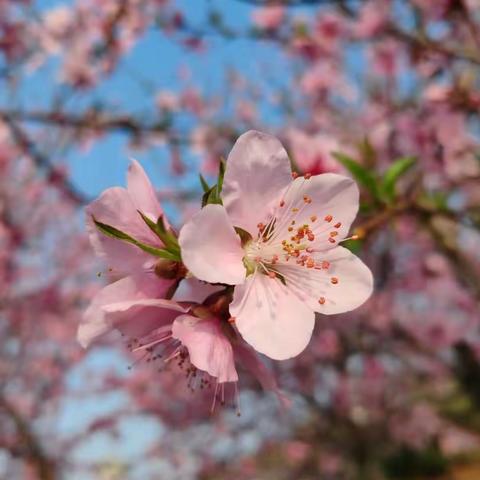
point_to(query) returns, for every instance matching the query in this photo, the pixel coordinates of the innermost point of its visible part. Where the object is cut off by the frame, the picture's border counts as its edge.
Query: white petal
(210, 247)
(344, 286)
(327, 203)
(258, 169)
(271, 318)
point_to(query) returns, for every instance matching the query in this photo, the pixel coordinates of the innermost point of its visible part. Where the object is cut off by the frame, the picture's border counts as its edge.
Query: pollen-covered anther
(310, 263)
(310, 236)
(290, 229)
(313, 218)
(294, 210)
(334, 280)
(328, 218)
(338, 225)
(333, 234)
(321, 300)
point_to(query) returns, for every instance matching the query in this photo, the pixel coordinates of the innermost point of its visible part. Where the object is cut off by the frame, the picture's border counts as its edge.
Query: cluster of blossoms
(245, 274)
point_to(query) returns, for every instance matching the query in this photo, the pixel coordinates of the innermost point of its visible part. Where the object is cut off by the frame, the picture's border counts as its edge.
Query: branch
(33, 450)
(28, 148)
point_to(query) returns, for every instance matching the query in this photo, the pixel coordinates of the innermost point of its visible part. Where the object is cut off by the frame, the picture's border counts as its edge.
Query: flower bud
(169, 269)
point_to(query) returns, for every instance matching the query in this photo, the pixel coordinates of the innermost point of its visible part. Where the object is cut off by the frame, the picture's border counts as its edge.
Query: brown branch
(29, 446)
(28, 148)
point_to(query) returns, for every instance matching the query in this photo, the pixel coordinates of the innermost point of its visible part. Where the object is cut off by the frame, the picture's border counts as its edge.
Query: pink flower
(177, 331)
(288, 264)
(119, 207)
(269, 18)
(140, 284)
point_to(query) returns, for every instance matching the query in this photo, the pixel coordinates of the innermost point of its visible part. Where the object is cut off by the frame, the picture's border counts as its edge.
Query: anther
(325, 265)
(310, 263)
(328, 218)
(261, 227)
(331, 240)
(338, 225)
(231, 320)
(308, 176)
(321, 300)
(313, 218)
(282, 203)
(294, 210)
(334, 280)
(333, 234)
(272, 274)
(294, 175)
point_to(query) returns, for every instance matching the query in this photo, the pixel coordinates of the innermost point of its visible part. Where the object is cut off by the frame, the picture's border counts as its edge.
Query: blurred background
(390, 391)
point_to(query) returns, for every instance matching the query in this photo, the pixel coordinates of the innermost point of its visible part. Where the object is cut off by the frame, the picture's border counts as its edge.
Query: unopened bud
(168, 269)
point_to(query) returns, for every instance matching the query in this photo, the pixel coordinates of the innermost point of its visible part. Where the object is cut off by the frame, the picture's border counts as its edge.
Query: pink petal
(258, 168)
(271, 318)
(97, 320)
(208, 348)
(142, 192)
(115, 207)
(125, 305)
(211, 248)
(344, 286)
(328, 203)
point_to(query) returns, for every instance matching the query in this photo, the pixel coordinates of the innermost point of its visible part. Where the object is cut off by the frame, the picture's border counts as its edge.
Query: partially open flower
(277, 240)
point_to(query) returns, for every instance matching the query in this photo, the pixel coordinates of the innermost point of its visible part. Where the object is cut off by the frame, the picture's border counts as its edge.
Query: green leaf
(168, 239)
(113, 232)
(204, 183)
(359, 172)
(355, 246)
(391, 176)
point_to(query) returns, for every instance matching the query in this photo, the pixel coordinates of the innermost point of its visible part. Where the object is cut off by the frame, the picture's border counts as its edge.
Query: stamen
(321, 300)
(294, 175)
(338, 225)
(331, 240)
(334, 280)
(333, 234)
(282, 203)
(308, 176)
(313, 218)
(328, 218)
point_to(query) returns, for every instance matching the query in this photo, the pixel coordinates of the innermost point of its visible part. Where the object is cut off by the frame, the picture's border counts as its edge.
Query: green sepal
(159, 229)
(113, 232)
(203, 183)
